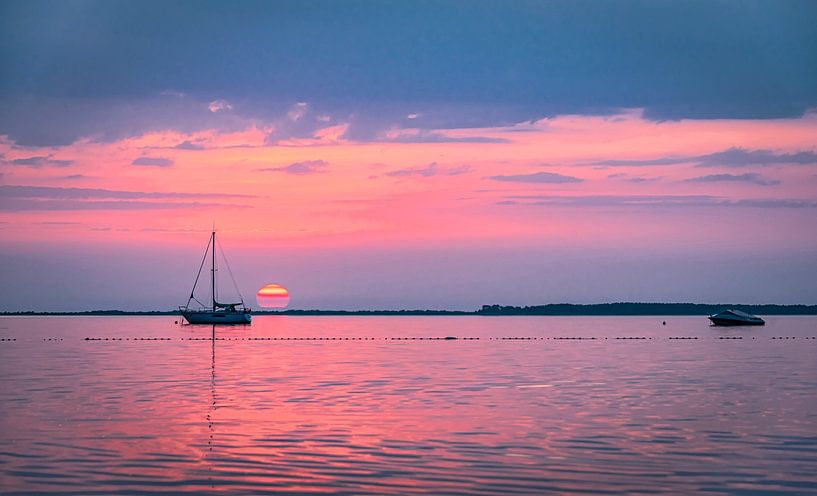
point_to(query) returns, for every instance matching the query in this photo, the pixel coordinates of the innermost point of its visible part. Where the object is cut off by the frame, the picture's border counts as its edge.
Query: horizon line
(553, 309)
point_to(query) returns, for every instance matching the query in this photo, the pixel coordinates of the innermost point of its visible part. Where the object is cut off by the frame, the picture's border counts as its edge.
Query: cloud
(297, 122)
(739, 157)
(300, 168)
(641, 201)
(537, 177)
(432, 169)
(15, 198)
(219, 105)
(634, 179)
(749, 177)
(427, 136)
(381, 122)
(153, 161)
(58, 121)
(39, 161)
(649, 162)
(623, 65)
(48, 192)
(298, 111)
(403, 55)
(28, 204)
(731, 157)
(643, 60)
(189, 145)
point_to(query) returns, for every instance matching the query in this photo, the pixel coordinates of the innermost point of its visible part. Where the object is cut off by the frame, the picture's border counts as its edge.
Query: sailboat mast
(213, 270)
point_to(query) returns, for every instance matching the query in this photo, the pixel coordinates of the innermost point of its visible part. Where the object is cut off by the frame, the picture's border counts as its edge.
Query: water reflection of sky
(382, 416)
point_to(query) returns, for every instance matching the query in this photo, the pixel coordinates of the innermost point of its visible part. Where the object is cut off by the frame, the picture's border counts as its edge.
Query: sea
(379, 405)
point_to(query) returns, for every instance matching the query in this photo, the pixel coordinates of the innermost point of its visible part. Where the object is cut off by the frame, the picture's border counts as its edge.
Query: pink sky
(580, 184)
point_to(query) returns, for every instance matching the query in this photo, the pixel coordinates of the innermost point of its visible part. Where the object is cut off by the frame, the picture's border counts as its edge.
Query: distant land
(554, 309)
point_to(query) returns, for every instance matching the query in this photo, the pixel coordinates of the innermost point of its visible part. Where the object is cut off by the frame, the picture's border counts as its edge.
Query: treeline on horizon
(553, 309)
(645, 309)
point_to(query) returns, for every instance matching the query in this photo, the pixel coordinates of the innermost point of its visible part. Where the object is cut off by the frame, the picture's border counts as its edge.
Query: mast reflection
(213, 406)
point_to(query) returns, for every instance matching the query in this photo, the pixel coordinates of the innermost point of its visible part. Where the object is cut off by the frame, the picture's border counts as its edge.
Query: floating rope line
(416, 338)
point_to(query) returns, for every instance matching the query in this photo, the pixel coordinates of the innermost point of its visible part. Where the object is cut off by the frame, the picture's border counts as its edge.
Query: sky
(402, 155)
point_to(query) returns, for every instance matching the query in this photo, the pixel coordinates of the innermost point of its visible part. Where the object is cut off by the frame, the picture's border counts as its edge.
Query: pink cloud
(300, 168)
(441, 200)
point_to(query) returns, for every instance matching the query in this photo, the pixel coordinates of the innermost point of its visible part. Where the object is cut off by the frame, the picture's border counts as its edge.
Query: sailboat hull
(217, 317)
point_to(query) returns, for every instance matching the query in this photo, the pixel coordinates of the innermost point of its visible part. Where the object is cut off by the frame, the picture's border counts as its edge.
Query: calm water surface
(254, 412)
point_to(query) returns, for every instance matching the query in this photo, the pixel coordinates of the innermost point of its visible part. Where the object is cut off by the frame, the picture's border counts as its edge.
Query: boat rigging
(215, 312)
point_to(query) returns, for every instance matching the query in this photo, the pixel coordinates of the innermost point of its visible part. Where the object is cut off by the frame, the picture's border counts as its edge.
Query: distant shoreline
(559, 309)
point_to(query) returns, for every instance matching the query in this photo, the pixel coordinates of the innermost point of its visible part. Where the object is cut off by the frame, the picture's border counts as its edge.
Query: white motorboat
(735, 318)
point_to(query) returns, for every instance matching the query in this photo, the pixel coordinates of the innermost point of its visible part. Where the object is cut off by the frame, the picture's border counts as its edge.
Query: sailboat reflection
(213, 406)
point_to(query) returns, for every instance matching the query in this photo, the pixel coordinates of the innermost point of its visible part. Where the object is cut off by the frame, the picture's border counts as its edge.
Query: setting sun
(272, 296)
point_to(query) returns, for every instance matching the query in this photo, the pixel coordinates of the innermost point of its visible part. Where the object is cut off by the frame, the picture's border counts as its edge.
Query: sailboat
(214, 312)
